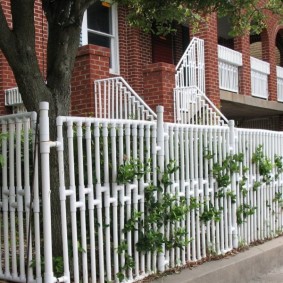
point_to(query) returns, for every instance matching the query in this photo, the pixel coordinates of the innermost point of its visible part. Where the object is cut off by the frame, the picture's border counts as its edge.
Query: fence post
(232, 145)
(45, 177)
(160, 163)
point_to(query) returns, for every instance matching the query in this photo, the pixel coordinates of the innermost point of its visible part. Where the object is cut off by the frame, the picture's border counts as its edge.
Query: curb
(242, 267)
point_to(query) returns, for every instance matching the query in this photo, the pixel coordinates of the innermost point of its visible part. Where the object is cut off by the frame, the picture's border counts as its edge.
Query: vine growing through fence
(170, 209)
(223, 171)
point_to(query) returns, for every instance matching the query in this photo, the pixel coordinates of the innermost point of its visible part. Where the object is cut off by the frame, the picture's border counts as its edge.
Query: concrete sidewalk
(274, 276)
(248, 266)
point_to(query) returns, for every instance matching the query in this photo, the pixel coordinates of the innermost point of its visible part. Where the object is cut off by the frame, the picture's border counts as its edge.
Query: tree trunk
(18, 45)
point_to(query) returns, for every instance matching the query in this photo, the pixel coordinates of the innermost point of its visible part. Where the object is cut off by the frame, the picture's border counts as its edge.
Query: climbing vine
(264, 164)
(158, 225)
(170, 209)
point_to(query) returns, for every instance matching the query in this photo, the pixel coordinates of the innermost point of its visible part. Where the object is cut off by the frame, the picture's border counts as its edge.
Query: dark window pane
(185, 37)
(98, 40)
(98, 18)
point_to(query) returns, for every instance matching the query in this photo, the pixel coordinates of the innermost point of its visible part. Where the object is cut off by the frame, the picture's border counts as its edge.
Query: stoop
(242, 267)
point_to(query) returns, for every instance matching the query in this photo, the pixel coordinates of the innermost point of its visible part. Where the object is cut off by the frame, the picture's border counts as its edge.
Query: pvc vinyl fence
(113, 235)
(138, 197)
(20, 203)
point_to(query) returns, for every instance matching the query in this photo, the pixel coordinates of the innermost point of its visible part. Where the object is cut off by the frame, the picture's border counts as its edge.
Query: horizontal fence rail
(20, 210)
(260, 184)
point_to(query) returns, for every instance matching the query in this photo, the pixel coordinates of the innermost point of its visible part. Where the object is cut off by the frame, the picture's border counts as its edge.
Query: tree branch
(23, 18)
(7, 41)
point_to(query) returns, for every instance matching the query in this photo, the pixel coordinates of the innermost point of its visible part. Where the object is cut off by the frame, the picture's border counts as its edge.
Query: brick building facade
(147, 63)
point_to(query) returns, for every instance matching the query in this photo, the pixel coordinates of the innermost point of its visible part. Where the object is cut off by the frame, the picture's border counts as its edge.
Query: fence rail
(228, 65)
(192, 106)
(104, 204)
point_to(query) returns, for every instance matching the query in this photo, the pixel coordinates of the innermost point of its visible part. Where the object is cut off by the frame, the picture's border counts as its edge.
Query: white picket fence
(215, 195)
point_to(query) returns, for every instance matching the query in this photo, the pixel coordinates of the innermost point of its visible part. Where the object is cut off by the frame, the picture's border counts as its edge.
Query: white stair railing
(115, 99)
(192, 106)
(190, 69)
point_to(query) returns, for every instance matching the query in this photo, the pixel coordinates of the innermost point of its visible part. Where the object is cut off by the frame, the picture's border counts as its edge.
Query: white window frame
(114, 40)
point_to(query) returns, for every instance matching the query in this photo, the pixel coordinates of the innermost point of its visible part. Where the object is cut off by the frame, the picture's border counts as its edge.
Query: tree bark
(18, 45)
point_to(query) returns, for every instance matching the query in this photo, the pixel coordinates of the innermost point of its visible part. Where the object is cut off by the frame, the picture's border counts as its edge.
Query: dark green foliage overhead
(160, 16)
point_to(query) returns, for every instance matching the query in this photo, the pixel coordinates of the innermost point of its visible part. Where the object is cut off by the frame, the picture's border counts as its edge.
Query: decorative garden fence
(141, 196)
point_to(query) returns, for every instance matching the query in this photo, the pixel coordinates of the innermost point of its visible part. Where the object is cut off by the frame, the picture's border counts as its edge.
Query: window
(100, 27)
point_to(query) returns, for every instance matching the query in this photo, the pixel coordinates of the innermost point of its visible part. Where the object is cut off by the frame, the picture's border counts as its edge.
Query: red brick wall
(6, 75)
(162, 49)
(268, 38)
(41, 33)
(92, 63)
(208, 32)
(135, 51)
(242, 44)
(159, 81)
